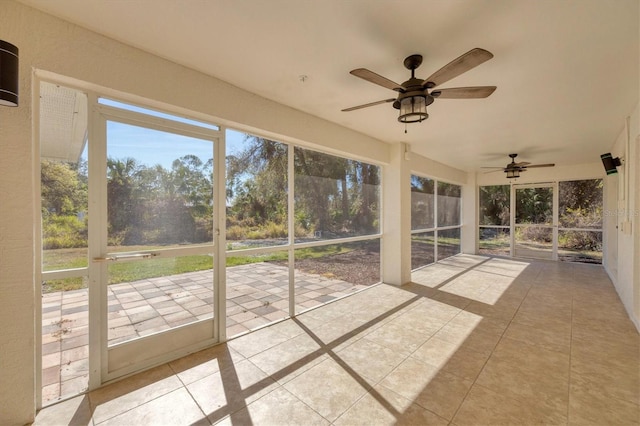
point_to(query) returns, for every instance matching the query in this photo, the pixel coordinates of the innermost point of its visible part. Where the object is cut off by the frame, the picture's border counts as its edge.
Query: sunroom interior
(238, 194)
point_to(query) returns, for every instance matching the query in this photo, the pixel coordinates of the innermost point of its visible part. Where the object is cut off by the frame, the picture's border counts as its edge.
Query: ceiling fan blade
(499, 169)
(368, 105)
(540, 165)
(460, 65)
(464, 92)
(374, 78)
(491, 167)
(522, 163)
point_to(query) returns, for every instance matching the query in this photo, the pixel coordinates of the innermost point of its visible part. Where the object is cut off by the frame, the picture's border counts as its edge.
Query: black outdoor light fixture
(8, 74)
(610, 163)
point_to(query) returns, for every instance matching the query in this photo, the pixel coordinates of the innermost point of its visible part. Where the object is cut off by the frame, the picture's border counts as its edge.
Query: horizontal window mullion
(65, 273)
(495, 226)
(439, 228)
(445, 228)
(257, 250)
(581, 229)
(295, 246)
(336, 241)
(422, 231)
(171, 252)
(157, 123)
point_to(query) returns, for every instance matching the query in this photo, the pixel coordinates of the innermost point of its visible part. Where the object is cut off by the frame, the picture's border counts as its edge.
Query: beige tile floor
(471, 341)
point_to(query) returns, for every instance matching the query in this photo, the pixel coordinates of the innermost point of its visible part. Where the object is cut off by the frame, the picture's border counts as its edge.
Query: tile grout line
(184, 386)
(377, 383)
(281, 386)
(413, 358)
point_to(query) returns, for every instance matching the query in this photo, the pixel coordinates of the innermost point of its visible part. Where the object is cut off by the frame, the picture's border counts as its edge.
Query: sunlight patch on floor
(476, 278)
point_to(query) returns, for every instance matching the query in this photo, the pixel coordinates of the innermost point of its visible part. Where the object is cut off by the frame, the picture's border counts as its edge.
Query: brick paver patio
(257, 294)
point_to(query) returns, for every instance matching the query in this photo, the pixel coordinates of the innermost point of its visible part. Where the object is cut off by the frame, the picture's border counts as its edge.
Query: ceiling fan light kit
(414, 96)
(514, 169)
(413, 109)
(512, 174)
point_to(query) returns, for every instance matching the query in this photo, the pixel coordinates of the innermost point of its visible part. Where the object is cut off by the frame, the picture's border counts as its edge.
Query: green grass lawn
(120, 272)
(495, 244)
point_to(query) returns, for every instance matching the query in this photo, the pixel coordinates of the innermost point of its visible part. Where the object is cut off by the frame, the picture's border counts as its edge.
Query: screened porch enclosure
(560, 221)
(290, 230)
(203, 233)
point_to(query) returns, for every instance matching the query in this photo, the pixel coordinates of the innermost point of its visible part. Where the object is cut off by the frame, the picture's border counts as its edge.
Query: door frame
(554, 223)
(105, 363)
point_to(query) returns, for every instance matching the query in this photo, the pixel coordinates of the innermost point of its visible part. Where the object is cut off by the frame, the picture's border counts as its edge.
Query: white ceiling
(567, 71)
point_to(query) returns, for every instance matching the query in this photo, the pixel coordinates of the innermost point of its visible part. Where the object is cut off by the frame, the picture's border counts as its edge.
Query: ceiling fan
(514, 169)
(415, 94)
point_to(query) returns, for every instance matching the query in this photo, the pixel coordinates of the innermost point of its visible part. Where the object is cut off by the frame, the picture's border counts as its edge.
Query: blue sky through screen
(152, 147)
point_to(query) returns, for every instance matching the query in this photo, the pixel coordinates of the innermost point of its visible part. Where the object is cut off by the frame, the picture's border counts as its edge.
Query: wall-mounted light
(610, 163)
(8, 74)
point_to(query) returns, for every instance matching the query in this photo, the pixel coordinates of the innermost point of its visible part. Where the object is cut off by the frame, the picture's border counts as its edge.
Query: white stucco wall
(468, 243)
(397, 218)
(431, 168)
(622, 210)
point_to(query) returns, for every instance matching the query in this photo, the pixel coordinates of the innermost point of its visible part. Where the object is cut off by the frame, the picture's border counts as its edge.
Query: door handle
(104, 259)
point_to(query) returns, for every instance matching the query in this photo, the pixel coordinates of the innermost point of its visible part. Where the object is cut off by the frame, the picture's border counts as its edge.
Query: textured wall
(621, 265)
(17, 338)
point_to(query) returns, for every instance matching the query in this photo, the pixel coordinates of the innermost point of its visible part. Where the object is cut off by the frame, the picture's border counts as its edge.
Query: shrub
(241, 231)
(236, 232)
(63, 232)
(300, 231)
(275, 230)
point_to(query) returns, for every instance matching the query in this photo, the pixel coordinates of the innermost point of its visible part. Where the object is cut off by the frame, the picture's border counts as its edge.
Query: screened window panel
(494, 205)
(580, 204)
(256, 190)
(334, 197)
(449, 204)
(422, 203)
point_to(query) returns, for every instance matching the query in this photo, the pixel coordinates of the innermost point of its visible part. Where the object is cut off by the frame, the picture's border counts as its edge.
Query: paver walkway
(257, 294)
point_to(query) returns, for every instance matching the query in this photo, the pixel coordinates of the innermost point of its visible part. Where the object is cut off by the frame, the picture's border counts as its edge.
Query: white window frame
(435, 229)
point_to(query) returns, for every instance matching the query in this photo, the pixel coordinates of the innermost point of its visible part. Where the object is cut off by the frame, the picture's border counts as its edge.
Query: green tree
(191, 200)
(494, 205)
(581, 203)
(64, 203)
(333, 195)
(257, 182)
(121, 180)
(64, 190)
